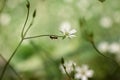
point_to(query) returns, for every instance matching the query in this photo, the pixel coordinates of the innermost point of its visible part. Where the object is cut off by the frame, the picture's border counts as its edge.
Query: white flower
(114, 47)
(65, 28)
(83, 4)
(5, 19)
(69, 67)
(83, 72)
(103, 46)
(106, 22)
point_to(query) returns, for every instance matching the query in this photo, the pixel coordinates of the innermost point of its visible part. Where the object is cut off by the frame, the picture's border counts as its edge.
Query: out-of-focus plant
(65, 29)
(3, 61)
(69, 68)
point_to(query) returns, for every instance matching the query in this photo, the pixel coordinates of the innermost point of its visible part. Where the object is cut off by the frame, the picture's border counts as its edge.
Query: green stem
(28, 11)
(22, 38)
(23, 35)
(67, 72)
(41, 36)
(106, 57)
(6, 65)
(11, 68)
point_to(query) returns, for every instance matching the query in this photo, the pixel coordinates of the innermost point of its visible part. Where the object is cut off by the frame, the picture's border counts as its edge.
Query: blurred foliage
(39, 59)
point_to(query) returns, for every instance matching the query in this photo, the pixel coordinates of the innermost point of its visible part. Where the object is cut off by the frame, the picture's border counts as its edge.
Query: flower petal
(73, 31)
(65, 27)
(85, 67)
(84, 78)
(78, 76)
(89, 73)
(71, 36)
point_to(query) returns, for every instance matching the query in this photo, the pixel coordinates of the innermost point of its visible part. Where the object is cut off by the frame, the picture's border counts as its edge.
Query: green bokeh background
(39, 59)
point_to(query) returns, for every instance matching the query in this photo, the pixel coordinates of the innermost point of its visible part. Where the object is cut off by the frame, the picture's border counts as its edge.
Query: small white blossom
(65, 28)
(106, 22)
(103, 46)
(5, 19)
(83, 4)
(83, 73)
(69, 67)
(114, 47)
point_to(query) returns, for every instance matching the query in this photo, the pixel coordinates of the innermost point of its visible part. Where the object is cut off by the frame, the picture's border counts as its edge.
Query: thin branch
(91, 40)
(106, 57)
(41, 36)
(30, 24)
(94, 46)
(28, 11)
(12, 68)
(23, 38)
(67, 72)
(6, 65)
(64, 67)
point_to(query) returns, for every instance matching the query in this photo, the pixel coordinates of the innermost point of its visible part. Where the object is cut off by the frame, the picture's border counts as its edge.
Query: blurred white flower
(103, 46)
(69, 67)
(83, 73)
(106, 22)
(83, 4)
(65, 28)
(114, 47)
(5, 19)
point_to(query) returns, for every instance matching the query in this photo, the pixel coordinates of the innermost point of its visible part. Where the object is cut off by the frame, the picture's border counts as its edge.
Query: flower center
(83, 72)
(67, 33)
